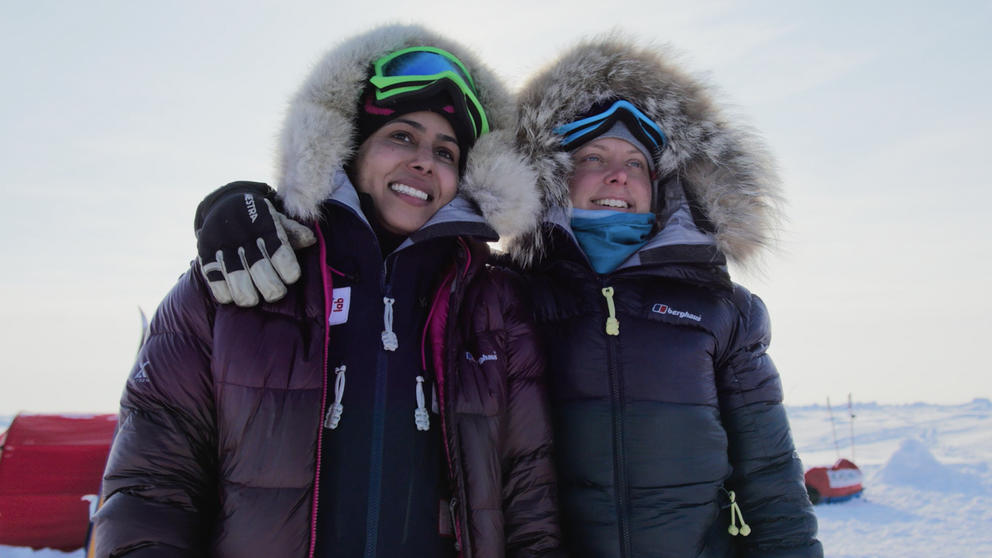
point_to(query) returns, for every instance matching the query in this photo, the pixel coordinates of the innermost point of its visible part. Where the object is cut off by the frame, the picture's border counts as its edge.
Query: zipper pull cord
(334, 413)
(421, 418)
(389, 340)
(744, 529)
(612, 323)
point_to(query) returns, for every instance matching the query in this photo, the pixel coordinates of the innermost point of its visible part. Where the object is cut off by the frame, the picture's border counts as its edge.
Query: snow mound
(913, 465)
(980, 404)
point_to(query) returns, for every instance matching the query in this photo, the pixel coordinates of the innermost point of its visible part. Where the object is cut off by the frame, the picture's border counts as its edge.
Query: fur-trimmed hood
(318, 133)
(719, 170)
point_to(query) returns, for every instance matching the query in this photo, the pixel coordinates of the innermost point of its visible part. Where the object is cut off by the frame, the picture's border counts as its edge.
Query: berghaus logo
(666, 309)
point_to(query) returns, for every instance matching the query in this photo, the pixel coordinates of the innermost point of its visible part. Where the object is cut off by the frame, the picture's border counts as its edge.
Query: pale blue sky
(117, 117)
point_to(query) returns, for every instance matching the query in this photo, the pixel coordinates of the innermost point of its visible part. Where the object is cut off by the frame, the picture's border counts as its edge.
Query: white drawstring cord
(334, 413)
(389, 340)
(421, 417)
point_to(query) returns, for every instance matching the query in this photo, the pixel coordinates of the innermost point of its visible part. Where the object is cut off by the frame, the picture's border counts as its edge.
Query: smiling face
(610, 173)
(410, 168)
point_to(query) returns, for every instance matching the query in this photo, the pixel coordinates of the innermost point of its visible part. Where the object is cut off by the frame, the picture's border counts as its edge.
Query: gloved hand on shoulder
(246, 246)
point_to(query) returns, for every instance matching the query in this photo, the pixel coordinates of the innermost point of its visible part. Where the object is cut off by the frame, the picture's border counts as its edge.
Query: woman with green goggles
(412, 70)
(387, 398)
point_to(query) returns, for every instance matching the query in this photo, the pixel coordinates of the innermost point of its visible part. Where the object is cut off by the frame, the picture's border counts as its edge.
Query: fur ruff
(318, 133)
(724, 167)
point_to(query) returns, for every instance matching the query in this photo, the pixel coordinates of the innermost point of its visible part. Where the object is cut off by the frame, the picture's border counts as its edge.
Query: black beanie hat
(373, 114)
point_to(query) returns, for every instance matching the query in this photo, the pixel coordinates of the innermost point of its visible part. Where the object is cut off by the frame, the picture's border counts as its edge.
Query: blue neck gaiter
(610, 237)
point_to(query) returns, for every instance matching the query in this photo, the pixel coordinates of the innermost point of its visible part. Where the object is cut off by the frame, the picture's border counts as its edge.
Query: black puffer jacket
(656, 426)
(661, 422)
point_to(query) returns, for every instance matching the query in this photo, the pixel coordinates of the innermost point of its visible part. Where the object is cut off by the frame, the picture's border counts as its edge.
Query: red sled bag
(838, 483)
(50, 472)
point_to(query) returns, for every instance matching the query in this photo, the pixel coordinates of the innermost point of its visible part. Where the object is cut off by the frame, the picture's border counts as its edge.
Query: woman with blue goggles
(670, 434)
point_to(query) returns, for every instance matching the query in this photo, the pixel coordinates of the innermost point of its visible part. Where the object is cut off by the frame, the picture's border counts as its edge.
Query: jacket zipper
(616, 387)
(459, 501)
(378, 428)
(328, 286)
(439, 362)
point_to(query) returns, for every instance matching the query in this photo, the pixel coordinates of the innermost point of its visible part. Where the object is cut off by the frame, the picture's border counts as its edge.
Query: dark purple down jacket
(217, 445)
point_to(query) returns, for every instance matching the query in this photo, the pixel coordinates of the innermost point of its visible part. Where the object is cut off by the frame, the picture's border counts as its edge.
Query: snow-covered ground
(928, 480)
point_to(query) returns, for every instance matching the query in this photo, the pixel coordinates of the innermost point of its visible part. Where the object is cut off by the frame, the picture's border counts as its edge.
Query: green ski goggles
(421, 69)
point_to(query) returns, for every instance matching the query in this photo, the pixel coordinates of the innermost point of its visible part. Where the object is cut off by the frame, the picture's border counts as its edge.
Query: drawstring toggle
(735, 513)
(336, 409)
(420, 416)
(389, 340)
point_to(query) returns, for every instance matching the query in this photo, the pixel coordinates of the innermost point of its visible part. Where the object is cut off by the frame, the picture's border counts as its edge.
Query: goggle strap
(477, 116)
(596, 128)
(644, 128)
(457, 75)
(592, 128)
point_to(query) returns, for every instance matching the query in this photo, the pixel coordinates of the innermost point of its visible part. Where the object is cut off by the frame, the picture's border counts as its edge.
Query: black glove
(245, 244)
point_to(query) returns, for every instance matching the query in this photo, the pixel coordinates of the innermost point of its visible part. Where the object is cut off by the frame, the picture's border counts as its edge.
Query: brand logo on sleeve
(141, 377)
(481, 359)
(340, 304)
(666, 309)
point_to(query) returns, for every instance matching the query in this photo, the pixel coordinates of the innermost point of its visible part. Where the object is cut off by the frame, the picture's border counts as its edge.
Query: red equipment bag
(840, 482)
(50, 472)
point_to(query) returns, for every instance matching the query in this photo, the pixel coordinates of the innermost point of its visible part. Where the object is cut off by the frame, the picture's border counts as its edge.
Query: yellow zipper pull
(744, 529)
(612, 323)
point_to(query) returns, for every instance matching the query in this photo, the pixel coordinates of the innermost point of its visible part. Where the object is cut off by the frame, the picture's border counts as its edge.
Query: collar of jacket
(679, 250)
(318, 133)
(456, 219)
(459, 217)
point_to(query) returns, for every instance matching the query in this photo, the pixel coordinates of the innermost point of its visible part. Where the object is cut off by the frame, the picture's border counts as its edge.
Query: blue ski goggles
(421, 69)
(586, 129)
